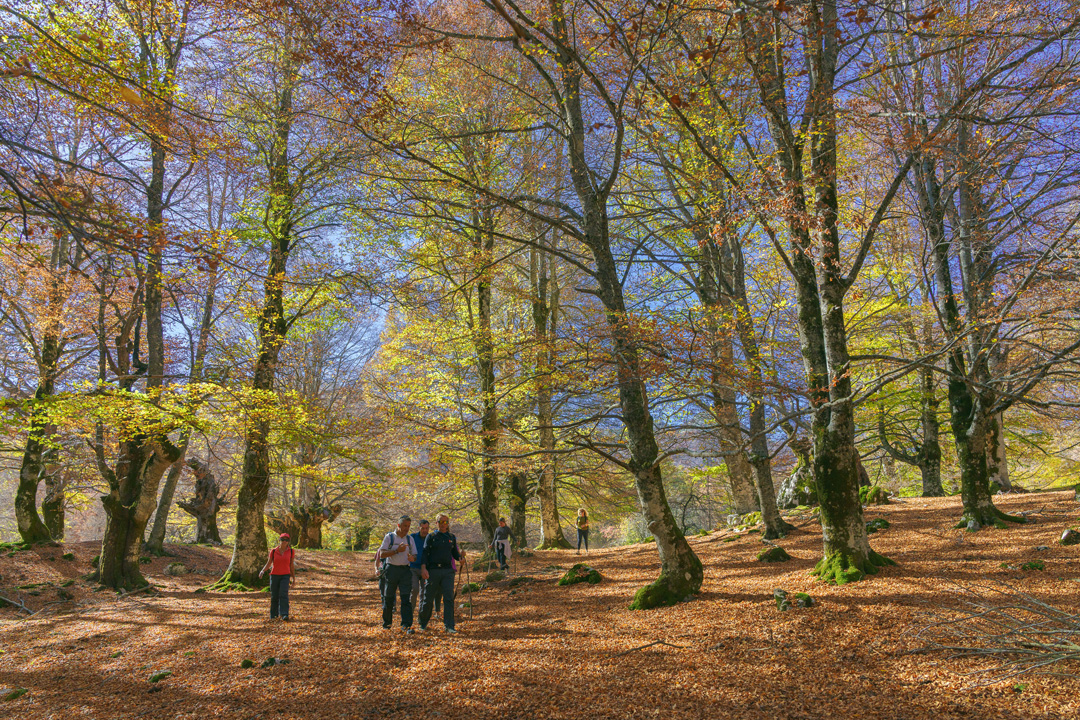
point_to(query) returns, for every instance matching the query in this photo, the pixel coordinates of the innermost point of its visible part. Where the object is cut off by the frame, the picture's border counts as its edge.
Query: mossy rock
(15, 694)
(272, 661)
(520, 580)
(773, 554)
(581, 573)
(145, 560)
(245, 664)
(68, 556)
(94, 561)
(649, 539)
(68, 583)
(176, 569)
(995, 487)
(873, 495)
(494, 576)
(702, 533)
(65, 594)
(753, 518)
(1033, 565)
(469, 588)
(159, 676)
(877, 524)
(733, 538)
(1070, 537)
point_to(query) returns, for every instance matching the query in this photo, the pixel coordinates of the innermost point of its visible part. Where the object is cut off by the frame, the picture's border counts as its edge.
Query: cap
(283, 536)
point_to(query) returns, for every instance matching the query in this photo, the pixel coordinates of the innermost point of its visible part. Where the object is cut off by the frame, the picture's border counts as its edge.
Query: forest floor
(543, 651)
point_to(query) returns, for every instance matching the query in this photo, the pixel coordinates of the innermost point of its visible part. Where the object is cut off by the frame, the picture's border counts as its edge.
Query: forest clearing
(709, 359)
(546, 651)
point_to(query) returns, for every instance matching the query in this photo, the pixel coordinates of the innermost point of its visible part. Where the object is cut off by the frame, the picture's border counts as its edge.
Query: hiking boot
(409, 631)
(284, 618)
(451, 631)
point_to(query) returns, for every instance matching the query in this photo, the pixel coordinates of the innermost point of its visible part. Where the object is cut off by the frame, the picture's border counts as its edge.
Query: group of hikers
(413, 565)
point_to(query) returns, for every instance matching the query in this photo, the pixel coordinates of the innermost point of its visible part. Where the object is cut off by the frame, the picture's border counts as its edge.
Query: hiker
(418, 583)
(501, 542)
(282, 575)
(582, 530)
(398, 551)
(440, 550)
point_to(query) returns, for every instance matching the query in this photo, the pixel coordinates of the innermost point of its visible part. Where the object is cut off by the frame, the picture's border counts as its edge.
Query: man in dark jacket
(435, 567)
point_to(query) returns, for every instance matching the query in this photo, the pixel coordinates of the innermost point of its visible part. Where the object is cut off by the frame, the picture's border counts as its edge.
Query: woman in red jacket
(282, 575)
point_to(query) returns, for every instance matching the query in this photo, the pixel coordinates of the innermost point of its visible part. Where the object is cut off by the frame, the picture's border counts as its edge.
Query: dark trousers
(279, 595)
(500, 553)
(440, 584)
(398, 580)
(583, 535)
(418, 585)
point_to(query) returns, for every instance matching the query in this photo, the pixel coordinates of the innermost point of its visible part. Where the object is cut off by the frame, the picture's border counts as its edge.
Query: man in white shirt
(397, 551)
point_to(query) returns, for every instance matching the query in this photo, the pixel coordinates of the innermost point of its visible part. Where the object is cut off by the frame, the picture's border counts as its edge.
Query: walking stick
(472, 600)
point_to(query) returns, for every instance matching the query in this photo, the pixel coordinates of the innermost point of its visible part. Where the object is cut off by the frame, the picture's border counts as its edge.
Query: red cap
(283, 536)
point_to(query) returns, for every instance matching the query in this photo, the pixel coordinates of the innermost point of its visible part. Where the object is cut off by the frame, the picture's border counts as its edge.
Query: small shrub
(1033, 565)
(877, 524)
(873, 495)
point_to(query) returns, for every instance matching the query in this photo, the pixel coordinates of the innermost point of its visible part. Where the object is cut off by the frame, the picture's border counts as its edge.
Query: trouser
(418, 585)
(502, 550)
(279, 595)
(398, 580)
(583, 535)
(440, 583)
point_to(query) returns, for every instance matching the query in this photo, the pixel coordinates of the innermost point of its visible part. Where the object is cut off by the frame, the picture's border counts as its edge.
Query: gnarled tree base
(780, 530)
(666, 591)
(842, 568)
(986, 516)
(235, 582)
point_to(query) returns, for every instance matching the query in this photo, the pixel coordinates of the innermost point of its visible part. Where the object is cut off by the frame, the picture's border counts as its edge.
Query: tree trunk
(545, 308)
(156, 544)
(519, 493)
(816, 266)
(483, 342)
(681, 572)
(249, 547)
(930, 450)
(205, 505)
(775, 526)
(31, 528)
(54, 506)
(997, 462)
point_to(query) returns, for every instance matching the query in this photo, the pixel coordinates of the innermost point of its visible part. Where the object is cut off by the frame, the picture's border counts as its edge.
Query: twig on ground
(655, 642)
(17, 604)
(1017, 632)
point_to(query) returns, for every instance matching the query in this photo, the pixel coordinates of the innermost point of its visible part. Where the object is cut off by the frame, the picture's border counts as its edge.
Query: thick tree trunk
(54, 505)
(930, 449)
(519, 494)
(139, 468)
(997, 462)
(740, 471)
(31, 528)
(156, 544)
